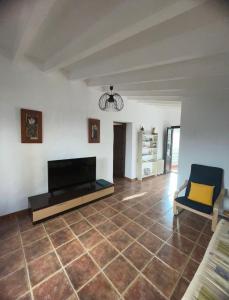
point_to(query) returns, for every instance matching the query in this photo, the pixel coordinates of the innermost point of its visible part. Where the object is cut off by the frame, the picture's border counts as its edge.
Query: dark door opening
(172, 149)
(119, 150)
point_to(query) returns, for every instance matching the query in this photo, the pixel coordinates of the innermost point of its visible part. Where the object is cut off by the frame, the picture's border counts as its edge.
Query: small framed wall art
(93, 131)
(31, 126)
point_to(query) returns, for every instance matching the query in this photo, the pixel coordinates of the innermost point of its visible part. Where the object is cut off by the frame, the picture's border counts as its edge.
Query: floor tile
(190, 269)
(107, 228)
(14, 285)
(188, 232)
(81, 270)
(150, 241)
(120, 239)
(120, 220)
(91, 238)
(137, 255)
(80, 227)
(125, 194)
(121, 273)
(153, 214)
(10, 245)
(204, 240)
(109, 212)
(27, 296)
(195, 224)
(11, 262)
(208, 229)
(61, 236)
(162, 276)
(8, 230)
(43, 267)
(54, 225)
(173, 257)
(70, 251)
(26, 224)
(72, 217)
(98, 289)
(131, 213)
(142, 290)
(170, 221)
(149, 201)
(119, 206)
(144, 221)
(99, 205)
(140, 207)
(56, 287)
(161, 231)
(37, 249)
(8, 221)
(110, 200)
(96, 219)
(181, 243)
(32, 235)
(133, 229)
(87, 210)
(103, 253)
(198, 253)
(180, 289)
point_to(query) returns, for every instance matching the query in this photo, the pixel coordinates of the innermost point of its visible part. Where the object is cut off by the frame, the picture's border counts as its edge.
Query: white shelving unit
(147, 162)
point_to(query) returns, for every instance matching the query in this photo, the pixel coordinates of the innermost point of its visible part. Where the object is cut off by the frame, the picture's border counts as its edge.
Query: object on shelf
(147, 171)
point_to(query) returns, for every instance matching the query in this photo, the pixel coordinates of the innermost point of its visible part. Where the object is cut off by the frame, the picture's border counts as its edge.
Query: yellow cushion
(201, 193)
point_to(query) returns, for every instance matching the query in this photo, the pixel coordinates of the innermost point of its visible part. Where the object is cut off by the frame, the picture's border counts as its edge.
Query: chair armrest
(184, 185)
(219, 200)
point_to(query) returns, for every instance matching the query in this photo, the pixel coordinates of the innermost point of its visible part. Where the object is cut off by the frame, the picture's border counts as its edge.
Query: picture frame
(93, 131)
(31, 126)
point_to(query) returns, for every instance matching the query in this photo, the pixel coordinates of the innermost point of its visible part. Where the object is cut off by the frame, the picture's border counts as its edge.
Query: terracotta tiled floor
(127, 246)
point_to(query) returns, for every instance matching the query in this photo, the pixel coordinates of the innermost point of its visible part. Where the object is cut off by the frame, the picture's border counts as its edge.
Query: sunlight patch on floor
(172, 186)
(134, 196)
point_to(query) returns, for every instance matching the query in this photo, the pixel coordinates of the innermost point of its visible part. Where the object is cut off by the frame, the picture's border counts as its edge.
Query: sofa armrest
(218, 201)
(181, 188)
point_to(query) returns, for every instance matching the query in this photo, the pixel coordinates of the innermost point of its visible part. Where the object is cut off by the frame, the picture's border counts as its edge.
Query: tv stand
(49, 204)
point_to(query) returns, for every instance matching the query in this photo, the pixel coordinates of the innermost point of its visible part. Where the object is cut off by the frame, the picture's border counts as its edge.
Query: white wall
(205, 134)
(66, 107)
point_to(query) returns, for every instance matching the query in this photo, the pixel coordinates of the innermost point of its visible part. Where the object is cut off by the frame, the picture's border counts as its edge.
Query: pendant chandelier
(111, 101)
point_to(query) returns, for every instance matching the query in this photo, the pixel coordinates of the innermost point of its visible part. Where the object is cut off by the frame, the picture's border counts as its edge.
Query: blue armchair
(211, 176)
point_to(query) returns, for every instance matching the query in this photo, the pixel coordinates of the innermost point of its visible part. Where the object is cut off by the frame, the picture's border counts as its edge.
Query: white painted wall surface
(205, 135)
(66, 107)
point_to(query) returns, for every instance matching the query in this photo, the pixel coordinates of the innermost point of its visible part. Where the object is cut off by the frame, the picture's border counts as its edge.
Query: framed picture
(93, 131)
(31, 126)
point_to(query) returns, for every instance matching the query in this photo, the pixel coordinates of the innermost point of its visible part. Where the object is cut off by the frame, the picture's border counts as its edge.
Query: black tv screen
(70, 172)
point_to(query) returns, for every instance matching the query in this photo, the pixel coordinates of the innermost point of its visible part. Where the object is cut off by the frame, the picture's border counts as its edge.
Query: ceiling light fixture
(111, 101)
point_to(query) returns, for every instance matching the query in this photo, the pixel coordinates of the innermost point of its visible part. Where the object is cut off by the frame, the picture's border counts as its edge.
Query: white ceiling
(153, 51)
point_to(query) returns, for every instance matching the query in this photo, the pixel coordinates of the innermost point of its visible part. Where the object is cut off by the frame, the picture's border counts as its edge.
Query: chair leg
(214, 220)
(175, 209)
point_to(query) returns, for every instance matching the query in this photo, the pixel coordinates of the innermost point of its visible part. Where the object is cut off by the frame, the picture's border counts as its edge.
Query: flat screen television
(71, 172)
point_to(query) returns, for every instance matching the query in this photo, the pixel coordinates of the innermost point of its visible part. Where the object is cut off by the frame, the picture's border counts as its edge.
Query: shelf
(148, 147)
(151, 174)
(147, 154)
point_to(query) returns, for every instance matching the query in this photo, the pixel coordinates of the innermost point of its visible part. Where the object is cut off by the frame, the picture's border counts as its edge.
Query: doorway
(119, 150)
(172, 149)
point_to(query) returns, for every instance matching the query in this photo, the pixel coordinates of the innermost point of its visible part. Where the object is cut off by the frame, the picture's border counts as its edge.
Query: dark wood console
(49, 204)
